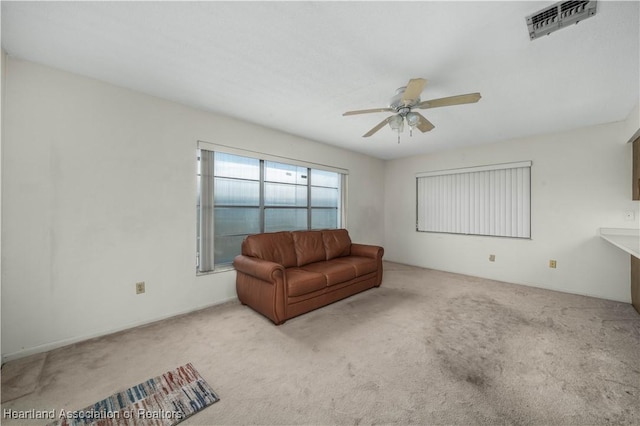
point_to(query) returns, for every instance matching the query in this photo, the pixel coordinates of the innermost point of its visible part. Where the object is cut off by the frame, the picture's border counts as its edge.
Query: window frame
(263, 159)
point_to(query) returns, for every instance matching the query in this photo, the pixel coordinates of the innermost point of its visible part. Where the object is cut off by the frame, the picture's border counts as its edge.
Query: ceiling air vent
(558, 16)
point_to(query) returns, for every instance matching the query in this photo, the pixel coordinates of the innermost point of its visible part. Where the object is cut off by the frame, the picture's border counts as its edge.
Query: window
(240, 195)
(490, 200)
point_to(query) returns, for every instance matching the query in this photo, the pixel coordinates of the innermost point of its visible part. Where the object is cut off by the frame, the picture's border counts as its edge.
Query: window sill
(217, 270)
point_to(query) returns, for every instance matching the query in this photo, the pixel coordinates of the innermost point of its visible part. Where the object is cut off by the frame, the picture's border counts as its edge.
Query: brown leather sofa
(285, 274)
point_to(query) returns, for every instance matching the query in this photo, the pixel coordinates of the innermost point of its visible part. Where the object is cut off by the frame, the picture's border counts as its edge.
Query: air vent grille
(558, 16)
(549, 15)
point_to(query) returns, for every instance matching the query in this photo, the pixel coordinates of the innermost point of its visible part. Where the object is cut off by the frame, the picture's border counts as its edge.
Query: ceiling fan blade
(367, 111)
(413, 90)
(469, 98)
(378, 127)
(423, 125)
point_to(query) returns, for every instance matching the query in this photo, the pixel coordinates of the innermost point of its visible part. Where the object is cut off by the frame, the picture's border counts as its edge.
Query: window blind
(205, 212)
(492, 200)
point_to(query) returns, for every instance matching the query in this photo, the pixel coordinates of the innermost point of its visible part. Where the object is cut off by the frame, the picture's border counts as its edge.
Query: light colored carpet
(427, 347)
(21, 377)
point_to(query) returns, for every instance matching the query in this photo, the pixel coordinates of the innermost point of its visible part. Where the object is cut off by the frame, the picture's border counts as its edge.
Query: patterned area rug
(164, 400)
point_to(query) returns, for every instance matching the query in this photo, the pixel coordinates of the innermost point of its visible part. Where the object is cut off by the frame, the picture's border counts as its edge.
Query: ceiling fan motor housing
(400, 106)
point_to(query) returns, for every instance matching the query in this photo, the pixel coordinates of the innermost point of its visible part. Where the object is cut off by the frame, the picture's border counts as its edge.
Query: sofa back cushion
(272, 246)
(337, 243)
(309, 247)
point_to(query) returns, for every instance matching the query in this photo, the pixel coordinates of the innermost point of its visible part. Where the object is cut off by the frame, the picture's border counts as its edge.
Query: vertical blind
(205, 211)
(489, 200)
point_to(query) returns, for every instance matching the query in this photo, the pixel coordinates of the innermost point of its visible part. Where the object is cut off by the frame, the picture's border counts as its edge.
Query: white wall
(581, 181)
(632, 124)
(3, 73)
(98, 192)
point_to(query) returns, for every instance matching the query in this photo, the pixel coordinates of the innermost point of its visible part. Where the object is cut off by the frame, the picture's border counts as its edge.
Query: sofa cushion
(337, 243)
(334, 272)
(301, 282)
(309, 246)
(362, 265)
(272, 246)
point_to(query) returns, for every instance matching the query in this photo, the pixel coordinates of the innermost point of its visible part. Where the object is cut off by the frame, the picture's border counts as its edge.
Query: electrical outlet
(140, 287)
(492, 258)
(552, 264)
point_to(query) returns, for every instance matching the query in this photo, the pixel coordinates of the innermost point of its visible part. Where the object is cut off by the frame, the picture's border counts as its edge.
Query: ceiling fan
(405, 100)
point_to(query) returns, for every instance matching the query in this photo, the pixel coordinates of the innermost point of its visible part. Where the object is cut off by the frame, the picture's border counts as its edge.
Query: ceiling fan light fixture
(396, 123)
(412, 119)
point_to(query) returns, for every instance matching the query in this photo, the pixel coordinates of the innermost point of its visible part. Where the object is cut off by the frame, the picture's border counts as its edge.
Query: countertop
(624, 238)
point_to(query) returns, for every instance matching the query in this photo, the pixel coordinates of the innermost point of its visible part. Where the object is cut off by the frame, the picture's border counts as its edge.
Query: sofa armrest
(261, 269)
(261, 285)
(365, 250)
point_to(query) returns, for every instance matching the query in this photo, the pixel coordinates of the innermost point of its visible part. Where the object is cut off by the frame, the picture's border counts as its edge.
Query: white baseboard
(65, 342)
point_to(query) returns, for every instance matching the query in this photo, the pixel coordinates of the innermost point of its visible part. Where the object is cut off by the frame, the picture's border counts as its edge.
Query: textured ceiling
(297, 66)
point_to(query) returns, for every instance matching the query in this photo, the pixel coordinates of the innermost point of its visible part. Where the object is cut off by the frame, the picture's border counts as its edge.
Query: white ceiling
(297, 66)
